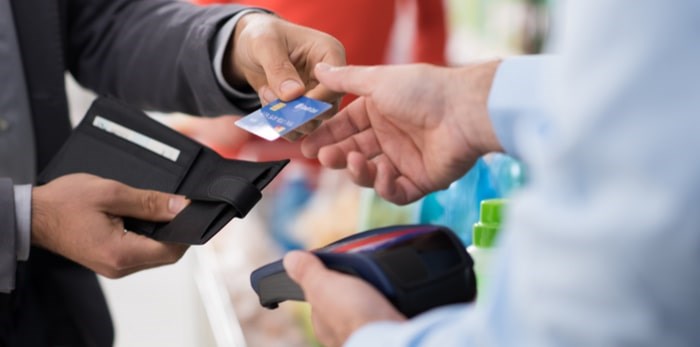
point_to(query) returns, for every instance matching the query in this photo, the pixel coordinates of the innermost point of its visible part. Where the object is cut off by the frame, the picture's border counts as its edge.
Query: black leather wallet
(120, 142)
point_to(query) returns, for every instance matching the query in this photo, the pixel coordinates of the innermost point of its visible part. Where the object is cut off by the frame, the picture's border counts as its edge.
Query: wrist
(40, 219)
(470, 103)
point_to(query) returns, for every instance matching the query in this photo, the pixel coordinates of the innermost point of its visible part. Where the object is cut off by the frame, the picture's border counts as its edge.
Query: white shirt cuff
(23, 218)
(222, 39)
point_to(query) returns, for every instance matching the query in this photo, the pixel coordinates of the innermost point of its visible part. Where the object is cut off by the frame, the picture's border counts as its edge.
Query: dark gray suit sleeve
(155, 54)
(8, 254)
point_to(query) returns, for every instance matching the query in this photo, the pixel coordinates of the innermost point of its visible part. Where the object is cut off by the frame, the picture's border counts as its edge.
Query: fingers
(393, 187)
(381, 174)
(121, 200)
(362, 171)
(350, 121)
(266, 95)
(282, 76)
(306, 270)
(365, 143)
(129, 252)
(356, 80)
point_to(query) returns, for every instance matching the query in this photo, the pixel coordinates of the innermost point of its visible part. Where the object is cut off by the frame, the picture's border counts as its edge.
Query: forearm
(155, 54)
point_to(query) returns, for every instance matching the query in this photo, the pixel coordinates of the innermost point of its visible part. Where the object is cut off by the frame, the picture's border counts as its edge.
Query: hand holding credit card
(279, 118)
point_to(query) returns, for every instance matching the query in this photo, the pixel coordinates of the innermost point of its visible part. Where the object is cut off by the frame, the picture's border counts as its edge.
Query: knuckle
(150, 202)
(116, 265)
(310, 279)
(172, 256)
(262, 39)
(112, 274)
(335, 44)
(282, 67)
(110, 189)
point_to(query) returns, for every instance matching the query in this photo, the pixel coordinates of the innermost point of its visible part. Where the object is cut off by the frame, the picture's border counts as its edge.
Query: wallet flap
(238, 193)
(197, 223)
(237, 183)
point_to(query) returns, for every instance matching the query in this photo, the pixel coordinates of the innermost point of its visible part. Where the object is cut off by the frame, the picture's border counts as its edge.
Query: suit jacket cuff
(245, 99)
(8, 231)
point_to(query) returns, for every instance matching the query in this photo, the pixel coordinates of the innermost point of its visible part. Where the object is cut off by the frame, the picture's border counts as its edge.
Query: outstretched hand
(277, 59)
(414, 128)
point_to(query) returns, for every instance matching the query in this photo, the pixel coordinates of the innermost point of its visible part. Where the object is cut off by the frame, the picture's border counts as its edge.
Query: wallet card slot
(133, 124)
(137, 151)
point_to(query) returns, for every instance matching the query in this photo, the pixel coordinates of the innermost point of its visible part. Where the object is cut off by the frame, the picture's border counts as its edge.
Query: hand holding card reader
(416, 267)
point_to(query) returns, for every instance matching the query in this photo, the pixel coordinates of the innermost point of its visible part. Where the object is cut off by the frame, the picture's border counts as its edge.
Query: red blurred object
(364, 26)
(365, 29)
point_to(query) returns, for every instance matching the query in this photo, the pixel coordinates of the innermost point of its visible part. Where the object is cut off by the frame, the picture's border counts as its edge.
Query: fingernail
(323, 67)
(268, 95)
(351, 168)
(177, 204)
(290, 86)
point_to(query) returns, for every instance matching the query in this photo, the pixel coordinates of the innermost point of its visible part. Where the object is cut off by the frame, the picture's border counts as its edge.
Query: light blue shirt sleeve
(602, 247)
(515, 100)
(222, 39)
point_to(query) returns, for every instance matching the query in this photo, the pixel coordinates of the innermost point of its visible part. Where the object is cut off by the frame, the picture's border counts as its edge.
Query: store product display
(119, 142)
(417, 267)
(486, 232)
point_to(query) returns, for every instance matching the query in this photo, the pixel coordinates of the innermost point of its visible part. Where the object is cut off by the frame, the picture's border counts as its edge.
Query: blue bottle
(457, 207)
(294, 193)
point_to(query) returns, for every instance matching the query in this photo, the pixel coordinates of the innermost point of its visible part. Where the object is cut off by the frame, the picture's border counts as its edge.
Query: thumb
(125, 201)
(305, 269)
(347, 79)
(281, 74)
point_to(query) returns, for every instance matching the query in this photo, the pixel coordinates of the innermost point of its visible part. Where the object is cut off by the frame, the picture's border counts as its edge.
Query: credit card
(278, 118)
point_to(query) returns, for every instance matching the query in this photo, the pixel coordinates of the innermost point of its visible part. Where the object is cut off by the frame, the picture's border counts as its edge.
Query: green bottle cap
(486, 229)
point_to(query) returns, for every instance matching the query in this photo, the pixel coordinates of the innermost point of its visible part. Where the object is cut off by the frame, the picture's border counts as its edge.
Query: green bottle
(485, 233)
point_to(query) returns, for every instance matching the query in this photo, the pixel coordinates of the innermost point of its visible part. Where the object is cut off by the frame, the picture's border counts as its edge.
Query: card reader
(416, 267)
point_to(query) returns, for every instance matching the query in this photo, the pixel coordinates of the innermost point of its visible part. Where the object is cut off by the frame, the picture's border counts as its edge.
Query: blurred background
(206, 298)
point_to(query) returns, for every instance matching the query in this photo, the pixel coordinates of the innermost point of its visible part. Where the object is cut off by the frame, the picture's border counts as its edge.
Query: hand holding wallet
(119, 142)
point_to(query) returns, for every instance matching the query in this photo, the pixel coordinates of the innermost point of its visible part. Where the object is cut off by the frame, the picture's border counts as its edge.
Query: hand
(335, 320)
(413, 130)
(79, 216)
(277, 59)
